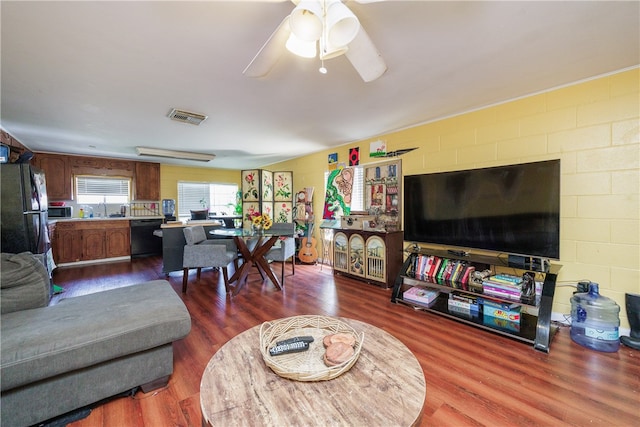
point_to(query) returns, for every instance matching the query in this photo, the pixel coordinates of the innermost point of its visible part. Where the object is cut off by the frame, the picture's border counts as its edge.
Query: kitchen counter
(95, 218)
(204, 222)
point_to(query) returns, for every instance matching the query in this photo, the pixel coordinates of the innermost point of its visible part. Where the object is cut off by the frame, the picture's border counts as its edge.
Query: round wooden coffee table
(386, 386)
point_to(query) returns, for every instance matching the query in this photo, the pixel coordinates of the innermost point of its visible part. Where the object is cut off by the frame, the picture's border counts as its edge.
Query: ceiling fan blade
(270, 52)
(365, 58)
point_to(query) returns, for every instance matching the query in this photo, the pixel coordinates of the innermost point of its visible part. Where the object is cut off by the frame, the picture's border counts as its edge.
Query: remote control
(294, 347)
(306, 338)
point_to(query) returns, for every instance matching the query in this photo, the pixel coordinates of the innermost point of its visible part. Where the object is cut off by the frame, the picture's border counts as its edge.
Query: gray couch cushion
(86, 330)
(24, 282)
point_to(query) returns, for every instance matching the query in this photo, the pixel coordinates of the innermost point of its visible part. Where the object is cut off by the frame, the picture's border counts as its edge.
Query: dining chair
(200, 252)
(285, 247)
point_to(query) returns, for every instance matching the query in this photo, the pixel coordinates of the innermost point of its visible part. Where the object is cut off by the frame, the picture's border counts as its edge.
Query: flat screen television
(512, 209)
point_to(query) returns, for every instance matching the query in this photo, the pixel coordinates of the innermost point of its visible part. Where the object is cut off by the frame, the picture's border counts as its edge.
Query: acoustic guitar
(308, 253)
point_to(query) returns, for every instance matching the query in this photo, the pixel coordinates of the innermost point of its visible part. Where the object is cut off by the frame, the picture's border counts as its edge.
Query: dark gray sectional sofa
(58, 358)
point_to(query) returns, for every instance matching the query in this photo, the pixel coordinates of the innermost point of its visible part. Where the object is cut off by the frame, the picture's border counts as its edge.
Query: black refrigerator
(23, 194)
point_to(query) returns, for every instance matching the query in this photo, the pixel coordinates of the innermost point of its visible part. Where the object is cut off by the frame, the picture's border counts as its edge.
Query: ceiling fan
(327, 26)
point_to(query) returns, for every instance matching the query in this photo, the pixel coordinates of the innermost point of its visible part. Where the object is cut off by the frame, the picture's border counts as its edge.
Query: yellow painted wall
(170, 175)
(593, 127)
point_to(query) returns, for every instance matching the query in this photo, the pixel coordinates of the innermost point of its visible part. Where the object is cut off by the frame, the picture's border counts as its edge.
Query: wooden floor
(473, 377)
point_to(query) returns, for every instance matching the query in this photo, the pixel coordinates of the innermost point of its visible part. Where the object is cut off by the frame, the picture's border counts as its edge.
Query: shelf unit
(383, 193)
(535, 329)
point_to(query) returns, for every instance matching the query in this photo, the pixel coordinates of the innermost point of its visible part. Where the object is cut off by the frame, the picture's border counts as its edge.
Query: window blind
(219, 198)
(192, 196)
(95, 189)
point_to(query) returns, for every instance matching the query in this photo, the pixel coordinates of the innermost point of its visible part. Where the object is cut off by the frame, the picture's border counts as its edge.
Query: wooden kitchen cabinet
(99, 165)
(58, 175)
(118, 241)
(87, 240)
(67, 243)
(93, 244)
(146, 183)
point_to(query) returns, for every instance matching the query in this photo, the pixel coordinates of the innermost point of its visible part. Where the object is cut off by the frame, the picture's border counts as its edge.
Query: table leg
(255, 257)
(240, 274)
(262, 262)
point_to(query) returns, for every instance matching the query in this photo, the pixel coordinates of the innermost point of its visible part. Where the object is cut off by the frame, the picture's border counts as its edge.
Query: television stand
(534, 326)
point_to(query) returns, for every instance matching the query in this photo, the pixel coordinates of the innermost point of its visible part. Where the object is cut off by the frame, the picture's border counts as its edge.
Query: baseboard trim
(94, 261)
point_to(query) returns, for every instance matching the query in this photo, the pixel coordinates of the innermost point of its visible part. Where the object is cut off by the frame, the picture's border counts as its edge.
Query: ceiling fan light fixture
(306, 20)
(328, 51)
(342, 24)
(304, 49)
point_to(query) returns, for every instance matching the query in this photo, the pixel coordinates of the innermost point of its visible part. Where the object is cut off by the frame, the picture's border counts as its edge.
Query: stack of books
(444, 271)
(502, 310)
(463, 304)
(420, 295)
(501, 315)
(506, 286)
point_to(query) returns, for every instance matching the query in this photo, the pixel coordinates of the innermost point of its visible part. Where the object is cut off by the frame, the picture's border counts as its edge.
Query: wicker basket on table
(307, 365)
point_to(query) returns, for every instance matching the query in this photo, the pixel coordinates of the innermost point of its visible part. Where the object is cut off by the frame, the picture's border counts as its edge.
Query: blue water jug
(595, 320)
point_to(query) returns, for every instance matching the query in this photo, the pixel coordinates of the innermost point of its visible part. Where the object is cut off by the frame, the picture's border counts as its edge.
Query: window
(95, 189)
(219, 198)
(357, 192)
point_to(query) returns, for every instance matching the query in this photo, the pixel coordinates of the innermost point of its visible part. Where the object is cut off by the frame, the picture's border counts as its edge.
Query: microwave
(60, 211)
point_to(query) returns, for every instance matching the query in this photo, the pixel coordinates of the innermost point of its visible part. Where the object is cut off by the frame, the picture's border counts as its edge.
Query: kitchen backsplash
(148, 208)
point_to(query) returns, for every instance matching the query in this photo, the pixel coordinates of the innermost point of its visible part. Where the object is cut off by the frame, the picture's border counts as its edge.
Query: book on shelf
(420, 295)
(444, 271)
(437, 272)
(448, 271)
(435, 266)
(464, 312)
(457, 273)
(500, 285)
(471, 299)
(501, 310)
(501, 293)
(461, 301)
(504, 277)
(500, 323)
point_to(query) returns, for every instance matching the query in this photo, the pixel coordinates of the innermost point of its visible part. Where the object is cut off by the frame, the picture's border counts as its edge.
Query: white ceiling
(99, 78)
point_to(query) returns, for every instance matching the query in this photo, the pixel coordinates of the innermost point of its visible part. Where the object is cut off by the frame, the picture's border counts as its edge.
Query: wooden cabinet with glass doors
(374, 257)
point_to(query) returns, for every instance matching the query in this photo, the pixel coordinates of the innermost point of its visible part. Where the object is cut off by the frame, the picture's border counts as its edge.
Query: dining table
(253, 246)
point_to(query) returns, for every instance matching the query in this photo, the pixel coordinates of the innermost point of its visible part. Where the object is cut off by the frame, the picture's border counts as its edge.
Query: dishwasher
(143, 241)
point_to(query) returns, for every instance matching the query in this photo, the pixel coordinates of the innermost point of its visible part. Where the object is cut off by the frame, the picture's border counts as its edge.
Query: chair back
(194, 235)
(283, 227)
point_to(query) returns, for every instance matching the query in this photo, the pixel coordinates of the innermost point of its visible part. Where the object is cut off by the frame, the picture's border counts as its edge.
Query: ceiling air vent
(187, 117)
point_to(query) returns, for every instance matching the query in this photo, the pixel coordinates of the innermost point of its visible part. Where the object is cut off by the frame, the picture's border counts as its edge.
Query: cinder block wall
(593, 127)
